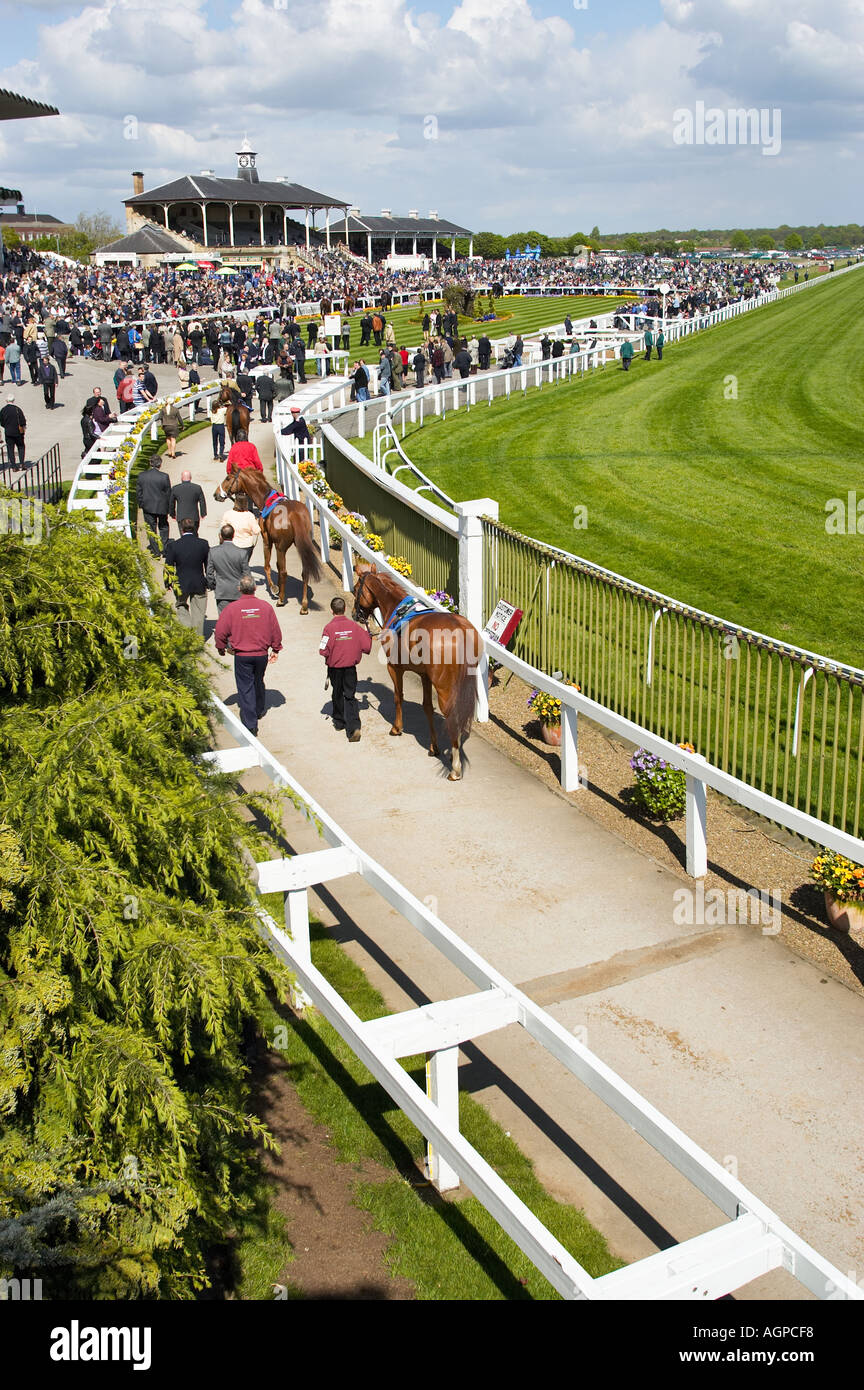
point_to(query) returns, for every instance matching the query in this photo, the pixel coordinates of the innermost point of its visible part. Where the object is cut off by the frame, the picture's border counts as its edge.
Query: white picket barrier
(753, 1240)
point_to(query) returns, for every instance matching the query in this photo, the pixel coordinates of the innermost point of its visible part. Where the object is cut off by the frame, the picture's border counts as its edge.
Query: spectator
(153, 494)
(247, 531)
(226, 564)
(187, 499)
(187, 559)
(13, 422)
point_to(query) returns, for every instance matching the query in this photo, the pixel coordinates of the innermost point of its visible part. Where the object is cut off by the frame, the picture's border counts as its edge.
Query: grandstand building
(244, 219)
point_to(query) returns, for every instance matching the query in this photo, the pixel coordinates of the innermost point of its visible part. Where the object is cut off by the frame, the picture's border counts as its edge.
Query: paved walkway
(748, 1048)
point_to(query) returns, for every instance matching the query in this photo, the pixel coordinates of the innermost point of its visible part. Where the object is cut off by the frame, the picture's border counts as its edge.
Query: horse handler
(343, 642)
(250, 625)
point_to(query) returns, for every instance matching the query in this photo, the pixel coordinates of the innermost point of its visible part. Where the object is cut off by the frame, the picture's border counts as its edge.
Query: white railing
(476, 390)
(752, 1242)
(457, 393)
(93, 475)
(466, 526)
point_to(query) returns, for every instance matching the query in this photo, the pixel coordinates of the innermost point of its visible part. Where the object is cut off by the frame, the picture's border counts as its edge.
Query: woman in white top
(217, 423)
(245, 523)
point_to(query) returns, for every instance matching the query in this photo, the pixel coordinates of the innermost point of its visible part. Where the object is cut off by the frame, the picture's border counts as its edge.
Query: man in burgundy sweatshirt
(249, 625)
(343, 642)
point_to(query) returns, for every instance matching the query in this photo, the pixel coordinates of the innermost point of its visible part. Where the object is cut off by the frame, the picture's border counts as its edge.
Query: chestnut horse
(237, 416)
(443, 649)
(287, 524)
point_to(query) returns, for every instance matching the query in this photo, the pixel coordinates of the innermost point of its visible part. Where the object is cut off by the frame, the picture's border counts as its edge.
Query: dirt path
(337, 1254)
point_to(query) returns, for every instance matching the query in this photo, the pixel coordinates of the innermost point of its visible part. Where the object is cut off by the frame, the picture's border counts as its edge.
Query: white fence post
(347, 567)
(471, 583)
(569, 748)
(324, 535)
(442, 1088)
(297, 927)
(697, 828)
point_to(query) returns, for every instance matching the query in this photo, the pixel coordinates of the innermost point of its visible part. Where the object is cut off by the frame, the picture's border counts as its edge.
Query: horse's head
(365, 601)
(229, 487)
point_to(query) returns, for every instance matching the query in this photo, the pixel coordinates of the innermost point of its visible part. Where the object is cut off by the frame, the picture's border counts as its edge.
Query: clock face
(245, 161)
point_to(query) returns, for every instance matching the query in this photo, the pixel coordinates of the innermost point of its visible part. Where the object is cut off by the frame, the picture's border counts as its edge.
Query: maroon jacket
(250, 625)
(343, 642)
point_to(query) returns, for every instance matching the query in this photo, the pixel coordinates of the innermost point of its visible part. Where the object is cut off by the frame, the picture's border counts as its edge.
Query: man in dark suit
(61, 352)
(266, 388)
(484, 353)
(187, 499)
(153, 492)
(298, 352)
(48, 381)
(187, 558)
(246, 383)
(13, 423)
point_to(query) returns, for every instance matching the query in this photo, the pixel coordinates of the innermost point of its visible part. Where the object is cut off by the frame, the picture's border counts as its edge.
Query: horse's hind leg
(304, 602)
(396, 677)
(267, 575)
(283, 575)
(429, 711)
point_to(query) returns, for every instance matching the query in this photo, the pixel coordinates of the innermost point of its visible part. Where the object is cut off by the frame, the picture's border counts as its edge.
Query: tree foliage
(130, 963)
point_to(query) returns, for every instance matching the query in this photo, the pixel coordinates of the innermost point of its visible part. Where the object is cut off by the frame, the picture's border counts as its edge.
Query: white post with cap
(471, 583)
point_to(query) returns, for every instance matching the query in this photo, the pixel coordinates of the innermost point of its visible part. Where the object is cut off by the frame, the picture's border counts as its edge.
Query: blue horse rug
(406, 609)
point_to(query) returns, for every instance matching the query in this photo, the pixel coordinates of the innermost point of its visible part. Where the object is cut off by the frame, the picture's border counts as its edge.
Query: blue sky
(545, 114)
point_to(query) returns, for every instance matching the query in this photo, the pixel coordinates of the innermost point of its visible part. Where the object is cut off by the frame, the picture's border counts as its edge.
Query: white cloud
(535, 126)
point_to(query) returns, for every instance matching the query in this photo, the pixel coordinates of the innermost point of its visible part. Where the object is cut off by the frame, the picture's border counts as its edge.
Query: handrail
(743, 634)
(93, 472)
(752, 1242)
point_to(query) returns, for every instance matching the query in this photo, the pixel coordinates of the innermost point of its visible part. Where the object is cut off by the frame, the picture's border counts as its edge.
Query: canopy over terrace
(233, 213)
(411, 232)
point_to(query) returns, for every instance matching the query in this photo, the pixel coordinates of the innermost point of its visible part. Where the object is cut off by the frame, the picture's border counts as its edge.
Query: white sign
(332, 325)
(503, 622)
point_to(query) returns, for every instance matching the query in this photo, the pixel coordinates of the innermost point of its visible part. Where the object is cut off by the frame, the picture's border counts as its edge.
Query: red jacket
(244, 455)
(250, 625)
(343, 642)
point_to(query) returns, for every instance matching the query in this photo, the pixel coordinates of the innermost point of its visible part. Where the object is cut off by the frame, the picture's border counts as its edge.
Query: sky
(503, 115)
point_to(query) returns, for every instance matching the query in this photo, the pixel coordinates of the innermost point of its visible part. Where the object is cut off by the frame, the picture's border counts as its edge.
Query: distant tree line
(669, 243)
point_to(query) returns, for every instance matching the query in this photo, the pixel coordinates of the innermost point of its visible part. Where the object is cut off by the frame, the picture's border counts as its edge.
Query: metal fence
(432, 553)
(41, 479)
(784, 720)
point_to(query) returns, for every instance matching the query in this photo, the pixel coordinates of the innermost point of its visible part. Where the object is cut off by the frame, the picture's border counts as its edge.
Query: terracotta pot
(551, 734)
(844, 917)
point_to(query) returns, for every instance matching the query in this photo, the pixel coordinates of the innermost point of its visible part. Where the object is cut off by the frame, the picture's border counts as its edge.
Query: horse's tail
(460, 715)
(306, 546)
(236, 421)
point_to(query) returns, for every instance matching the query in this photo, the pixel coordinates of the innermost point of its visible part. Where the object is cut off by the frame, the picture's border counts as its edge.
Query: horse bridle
(359, 615)
(233, 481)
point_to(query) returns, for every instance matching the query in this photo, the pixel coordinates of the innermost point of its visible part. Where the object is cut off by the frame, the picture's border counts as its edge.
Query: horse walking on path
(443, 649)
(286, 524)
(238, 415)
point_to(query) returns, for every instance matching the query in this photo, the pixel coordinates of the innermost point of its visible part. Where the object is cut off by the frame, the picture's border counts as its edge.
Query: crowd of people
(51, 310)
(97, 305)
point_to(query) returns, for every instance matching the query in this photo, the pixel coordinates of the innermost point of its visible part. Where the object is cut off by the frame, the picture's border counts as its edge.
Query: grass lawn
(527, 314)
(705, 476)
(451, 1249)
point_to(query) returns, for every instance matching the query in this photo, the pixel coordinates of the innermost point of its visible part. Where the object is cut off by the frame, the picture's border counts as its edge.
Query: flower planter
(551, 734)
(844, 917)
